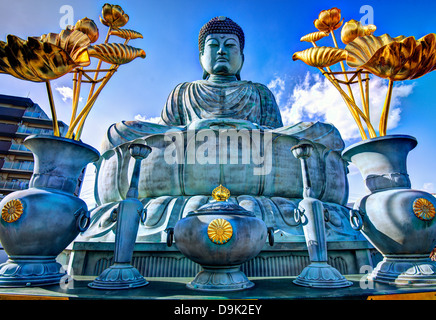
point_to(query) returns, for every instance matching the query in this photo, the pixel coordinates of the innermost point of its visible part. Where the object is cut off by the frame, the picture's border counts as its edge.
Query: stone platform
(158, 260)
(175, 292)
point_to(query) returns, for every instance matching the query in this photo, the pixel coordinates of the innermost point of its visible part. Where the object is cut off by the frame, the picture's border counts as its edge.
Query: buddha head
(221, 45)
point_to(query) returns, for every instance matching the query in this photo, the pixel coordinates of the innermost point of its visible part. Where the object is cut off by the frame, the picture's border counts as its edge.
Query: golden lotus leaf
(126, 33)
(88, 27)
(36, 60)
(428, 61)
(113, 16)
(320, 57)
(115, 53)
(329, 20)
(353, 29)
(314, 36)
(396, 59)
(73, 42)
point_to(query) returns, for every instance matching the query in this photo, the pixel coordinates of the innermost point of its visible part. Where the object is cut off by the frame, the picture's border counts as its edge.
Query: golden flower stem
(343, 67)
(85, 111)
(91, 91)
(367, 92)
(76, 92)
(346, 100)
(385, 112)
(362, 95)
(53, 109)
(354, 109)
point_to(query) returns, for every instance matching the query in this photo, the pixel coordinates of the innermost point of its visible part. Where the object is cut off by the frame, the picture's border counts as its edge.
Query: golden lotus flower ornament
(329, 20)
(395, 59)
(113, 16)
(42, 59)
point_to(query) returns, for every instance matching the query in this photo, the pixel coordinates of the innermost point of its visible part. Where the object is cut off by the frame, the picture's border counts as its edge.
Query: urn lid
(221, 205)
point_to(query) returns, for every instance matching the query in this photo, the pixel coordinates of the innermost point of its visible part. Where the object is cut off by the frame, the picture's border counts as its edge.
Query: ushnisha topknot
(220, 24)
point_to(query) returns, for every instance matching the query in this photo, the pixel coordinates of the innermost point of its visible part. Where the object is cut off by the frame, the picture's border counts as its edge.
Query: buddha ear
(238, 74)
(205, 73)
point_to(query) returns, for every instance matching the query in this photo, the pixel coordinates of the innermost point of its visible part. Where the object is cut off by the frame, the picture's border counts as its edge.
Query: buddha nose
(221, 51)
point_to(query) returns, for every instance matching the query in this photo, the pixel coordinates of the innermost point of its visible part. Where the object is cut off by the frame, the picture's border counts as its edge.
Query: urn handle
(170, 236)
(82, 219)
(270, 232)
(142, 215)
(326, 215)
(356, 219)
(114, 214)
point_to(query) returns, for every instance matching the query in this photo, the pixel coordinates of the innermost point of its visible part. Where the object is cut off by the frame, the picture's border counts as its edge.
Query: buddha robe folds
(204, 99)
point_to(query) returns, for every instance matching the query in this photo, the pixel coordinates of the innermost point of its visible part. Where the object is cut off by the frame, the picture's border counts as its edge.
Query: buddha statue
(181, 171)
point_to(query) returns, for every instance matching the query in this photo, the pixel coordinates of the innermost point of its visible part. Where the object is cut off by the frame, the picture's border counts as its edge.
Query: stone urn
(220, 236)
(37, 224)
(396, 219)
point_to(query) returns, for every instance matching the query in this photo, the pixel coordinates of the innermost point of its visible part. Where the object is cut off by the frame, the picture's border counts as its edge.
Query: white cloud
(315, 99)
(277, 86)
(139, 117)
(429, 187)
(66, 93)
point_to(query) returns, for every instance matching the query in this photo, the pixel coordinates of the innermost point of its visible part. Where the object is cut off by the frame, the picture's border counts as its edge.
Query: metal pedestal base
(405, 270)
(119, 276)
(220, 279)
(321, 275)
(26, 271)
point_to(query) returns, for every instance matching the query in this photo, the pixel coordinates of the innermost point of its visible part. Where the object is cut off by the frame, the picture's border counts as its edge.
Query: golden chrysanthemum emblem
(424, 209)
(12, 211)
(219, 231)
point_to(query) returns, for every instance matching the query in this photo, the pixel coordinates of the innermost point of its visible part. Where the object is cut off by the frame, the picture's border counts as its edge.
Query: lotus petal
(320, 57)
(74, 42)
(126, 33)
(88, 27)
(34, 60)
(115, 53)
(314, 36)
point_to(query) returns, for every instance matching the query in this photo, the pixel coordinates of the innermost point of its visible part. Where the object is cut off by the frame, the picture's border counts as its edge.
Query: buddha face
(222, 55)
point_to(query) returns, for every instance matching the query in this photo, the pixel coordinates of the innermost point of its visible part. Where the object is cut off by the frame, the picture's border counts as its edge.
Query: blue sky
(272, 30)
